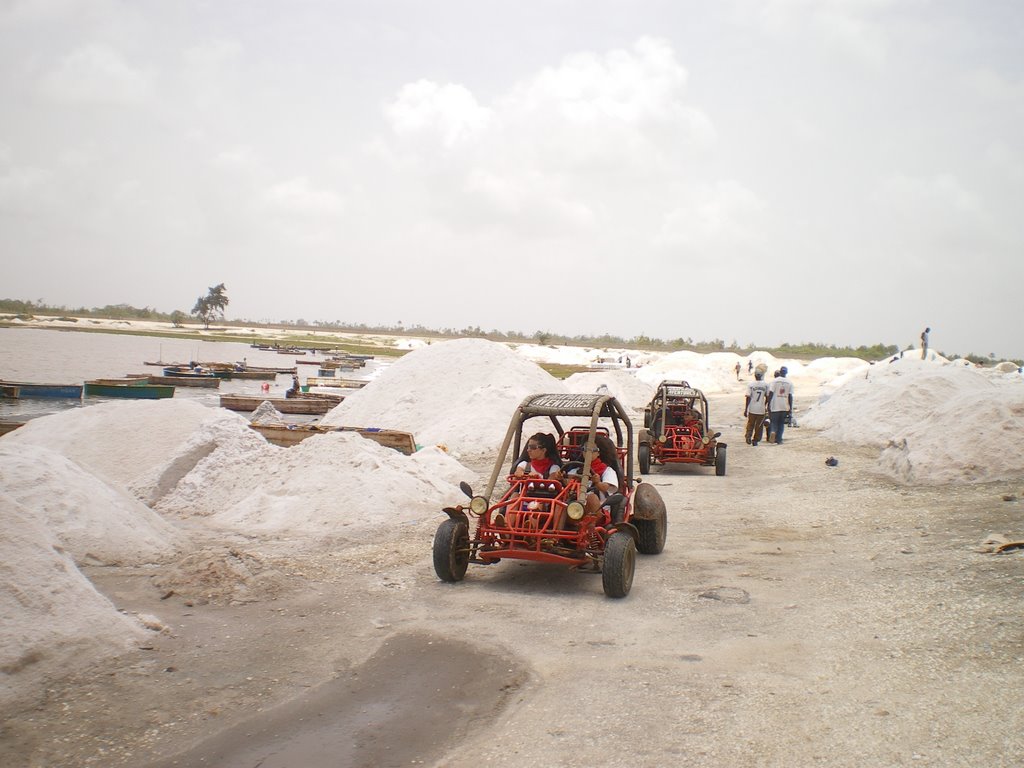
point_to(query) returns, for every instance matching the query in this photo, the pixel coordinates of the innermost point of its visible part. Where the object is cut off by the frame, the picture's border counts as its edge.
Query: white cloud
(555, 149)
(847, 25)
(723, 213)
(938, 196)
(96, 74)
(298, 196)
(448, 112)
(22, 189)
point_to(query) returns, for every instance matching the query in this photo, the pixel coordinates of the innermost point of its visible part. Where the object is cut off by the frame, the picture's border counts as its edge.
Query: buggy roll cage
(676, 391)
(593, 407)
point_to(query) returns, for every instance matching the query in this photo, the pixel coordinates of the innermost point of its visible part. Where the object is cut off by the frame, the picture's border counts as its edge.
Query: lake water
(71, 357)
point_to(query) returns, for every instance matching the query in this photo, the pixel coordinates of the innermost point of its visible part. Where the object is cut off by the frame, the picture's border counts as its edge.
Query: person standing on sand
(780, 403)
(924, 343)
(738, 369)
(755, 406)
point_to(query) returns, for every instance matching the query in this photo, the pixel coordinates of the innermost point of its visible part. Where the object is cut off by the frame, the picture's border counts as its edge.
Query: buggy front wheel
(619, 564)
(720, 461)
(451, 550)
(644, 454)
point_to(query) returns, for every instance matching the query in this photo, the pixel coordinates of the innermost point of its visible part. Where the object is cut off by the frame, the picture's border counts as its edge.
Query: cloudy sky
(842, 171)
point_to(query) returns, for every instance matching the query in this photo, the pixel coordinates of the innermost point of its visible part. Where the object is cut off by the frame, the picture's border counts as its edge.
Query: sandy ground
(799, 615)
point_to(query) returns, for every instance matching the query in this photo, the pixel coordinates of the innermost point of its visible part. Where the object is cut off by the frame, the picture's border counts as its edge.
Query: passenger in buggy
(604, 474)
(540, 458)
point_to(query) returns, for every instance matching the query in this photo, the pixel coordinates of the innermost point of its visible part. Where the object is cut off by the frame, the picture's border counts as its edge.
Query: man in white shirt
(755, 406)
(780, 403)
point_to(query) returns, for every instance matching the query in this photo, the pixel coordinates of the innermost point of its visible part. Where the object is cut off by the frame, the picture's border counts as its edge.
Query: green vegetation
(216, 300)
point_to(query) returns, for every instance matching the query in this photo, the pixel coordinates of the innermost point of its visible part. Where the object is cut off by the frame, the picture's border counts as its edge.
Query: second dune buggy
(676, 430)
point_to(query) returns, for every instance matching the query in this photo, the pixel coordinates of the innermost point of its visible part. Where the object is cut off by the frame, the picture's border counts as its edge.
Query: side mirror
(716, 435)
(466, 489)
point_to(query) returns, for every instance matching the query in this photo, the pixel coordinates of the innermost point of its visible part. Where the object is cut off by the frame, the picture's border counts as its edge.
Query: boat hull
(29, 389)
(287, 436)
(302, 405)
(133, 390)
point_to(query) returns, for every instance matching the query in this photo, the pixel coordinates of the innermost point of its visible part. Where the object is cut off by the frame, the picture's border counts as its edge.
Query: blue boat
(30, 389)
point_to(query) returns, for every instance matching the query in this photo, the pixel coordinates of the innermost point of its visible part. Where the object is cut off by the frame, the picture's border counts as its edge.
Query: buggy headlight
(662, 438)
(478, 505)
(574, 510)
(705, 439)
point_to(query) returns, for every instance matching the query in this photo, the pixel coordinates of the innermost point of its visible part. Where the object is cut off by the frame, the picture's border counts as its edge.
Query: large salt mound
(53, 618)
(335, 484)
(458, 393)
(93, 521)
(933, 423)
(122, 443)
(226, 431)
(624, 386)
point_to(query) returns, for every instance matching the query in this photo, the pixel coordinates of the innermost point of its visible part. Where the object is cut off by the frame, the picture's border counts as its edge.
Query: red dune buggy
(676, 430)
(546, 519)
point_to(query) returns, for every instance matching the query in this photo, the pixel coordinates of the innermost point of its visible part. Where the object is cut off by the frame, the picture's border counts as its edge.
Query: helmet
(783, 370)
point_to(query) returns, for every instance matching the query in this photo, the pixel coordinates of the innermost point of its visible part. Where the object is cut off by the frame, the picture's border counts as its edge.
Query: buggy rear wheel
(644, 454)
(720, 461)
(451, 550)
(619, 564)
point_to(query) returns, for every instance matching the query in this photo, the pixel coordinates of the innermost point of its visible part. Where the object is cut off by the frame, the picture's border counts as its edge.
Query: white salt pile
(94, 522)
(457, 393)
(53, 618)
(335, 484)
(123, 442)
(623, 385)
(934, 423)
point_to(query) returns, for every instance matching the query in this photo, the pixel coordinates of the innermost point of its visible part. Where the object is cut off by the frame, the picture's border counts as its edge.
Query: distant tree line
(212, 305)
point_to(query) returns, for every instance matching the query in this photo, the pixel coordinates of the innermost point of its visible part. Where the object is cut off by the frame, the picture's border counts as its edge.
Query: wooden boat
(30, 389)
(187, 372)
(128, 388)
(292, 434)
(330, 381)
(250, 373)
(210, 382)
(334, 397)
(344, 362)
(249, 403)
(11, 391)
(10, 426)
(308, 362)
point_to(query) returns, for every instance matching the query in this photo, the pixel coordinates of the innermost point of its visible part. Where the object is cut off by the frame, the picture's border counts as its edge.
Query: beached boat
(331, 381)
(11, 391)
(210, 382)
(306, 405)
(187, 372)
(10, 426)
(343, 363)
(31, 389)
(251, 373)
(292, 434)
(308, 362)
(135, 389)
